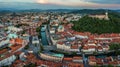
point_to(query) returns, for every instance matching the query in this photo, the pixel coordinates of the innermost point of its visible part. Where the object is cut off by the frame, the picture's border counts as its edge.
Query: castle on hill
(104, 16)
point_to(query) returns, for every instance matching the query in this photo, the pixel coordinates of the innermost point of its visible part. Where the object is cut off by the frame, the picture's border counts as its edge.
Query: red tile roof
(75, 64)
(99, 61)
(15, 47)
(92, 58)
(99, 48)
(61, 43)
(77, 58)
(74, 47)
(18, 53)
(18, 41)
(67, 59)
(92, 47)
(6, 56)
(85, 47)
(3, 51)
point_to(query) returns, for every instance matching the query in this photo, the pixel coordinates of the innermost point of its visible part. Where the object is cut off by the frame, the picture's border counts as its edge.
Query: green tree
(95, 25)
(41, 48)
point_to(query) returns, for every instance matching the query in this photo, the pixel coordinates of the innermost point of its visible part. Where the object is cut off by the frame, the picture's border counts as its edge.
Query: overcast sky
(74, 3)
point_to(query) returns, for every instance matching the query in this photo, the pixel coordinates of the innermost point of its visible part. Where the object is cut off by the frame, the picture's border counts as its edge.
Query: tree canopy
(95, 25)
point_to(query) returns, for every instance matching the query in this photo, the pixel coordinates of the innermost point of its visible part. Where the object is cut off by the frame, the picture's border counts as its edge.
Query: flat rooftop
(54, 54)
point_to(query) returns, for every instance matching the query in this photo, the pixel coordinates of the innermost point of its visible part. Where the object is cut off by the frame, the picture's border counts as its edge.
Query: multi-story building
(63, 46)
(52, 57)
(35, 40)
(6, 58)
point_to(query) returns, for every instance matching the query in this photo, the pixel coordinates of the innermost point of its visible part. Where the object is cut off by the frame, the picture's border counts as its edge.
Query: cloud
(83, 3)
(42, 1)
(17, 0)
(75, 3)
(104, 1)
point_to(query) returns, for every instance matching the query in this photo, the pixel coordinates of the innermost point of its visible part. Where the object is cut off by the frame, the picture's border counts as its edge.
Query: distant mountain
(117, 10)
(37, 7)
(28, 6)
(95, 11)
(48, 10)
(14, 6)
(90, 11)
(82, 11)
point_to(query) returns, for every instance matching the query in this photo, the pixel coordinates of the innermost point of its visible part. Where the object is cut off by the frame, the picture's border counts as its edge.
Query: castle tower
(106, 16)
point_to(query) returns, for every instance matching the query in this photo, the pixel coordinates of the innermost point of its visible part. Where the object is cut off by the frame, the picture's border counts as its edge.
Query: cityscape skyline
(59, 33)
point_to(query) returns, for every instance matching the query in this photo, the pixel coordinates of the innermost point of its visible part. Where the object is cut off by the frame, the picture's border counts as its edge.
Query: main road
(85, 60)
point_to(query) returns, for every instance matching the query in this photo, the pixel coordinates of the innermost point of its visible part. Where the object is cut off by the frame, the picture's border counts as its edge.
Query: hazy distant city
(59, 33)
